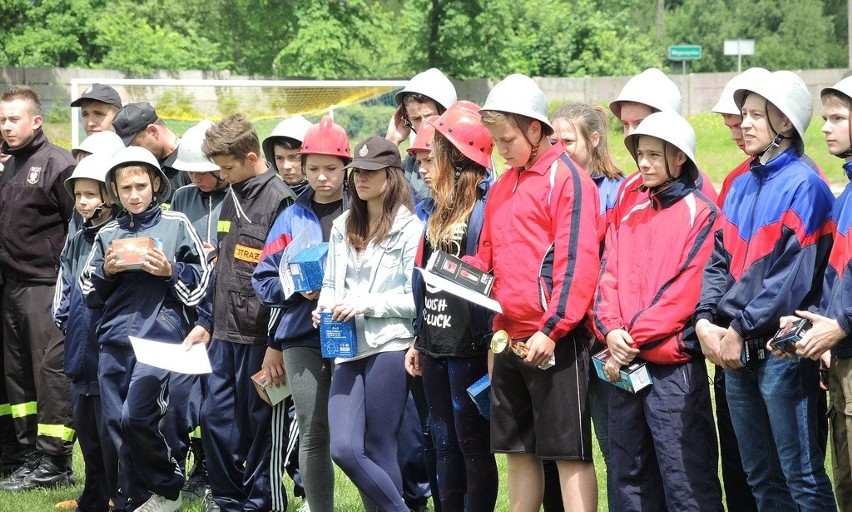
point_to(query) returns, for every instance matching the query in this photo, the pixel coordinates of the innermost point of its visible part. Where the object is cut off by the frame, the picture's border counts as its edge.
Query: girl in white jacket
(368, 280)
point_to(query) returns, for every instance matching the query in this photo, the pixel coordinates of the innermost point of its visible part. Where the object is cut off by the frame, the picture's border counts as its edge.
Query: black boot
(52, 471)
(17, 476)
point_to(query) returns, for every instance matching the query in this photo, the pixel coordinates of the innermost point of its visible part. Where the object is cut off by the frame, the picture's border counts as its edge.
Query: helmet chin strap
(777, 140)
(533, 152)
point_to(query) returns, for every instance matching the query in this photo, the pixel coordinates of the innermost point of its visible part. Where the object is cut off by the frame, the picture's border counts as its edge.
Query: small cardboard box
(338, 339)
(450, 267)
(479, 392)
(131, 251)
(633, 377)
(306, 268)
(270, 393)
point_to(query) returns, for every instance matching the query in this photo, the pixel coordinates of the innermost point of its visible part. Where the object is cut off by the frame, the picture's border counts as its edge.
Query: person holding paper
(662, 438)
(236, 424)
(150, 302)
(295, 344)
(453, 334)
(368, 280)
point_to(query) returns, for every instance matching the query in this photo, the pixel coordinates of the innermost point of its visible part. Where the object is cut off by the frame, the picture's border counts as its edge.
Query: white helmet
(726, 103)
(99, 142)
(843, 87)
(431, 83)
(189, 155)
(669, 127)
(291, 128)
(93, 167)
(519, 94)
(788, 93)
(138, 155)
(651, 87)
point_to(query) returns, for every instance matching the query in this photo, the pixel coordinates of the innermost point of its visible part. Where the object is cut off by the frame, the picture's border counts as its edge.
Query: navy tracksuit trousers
(134, 399)
(236, 429)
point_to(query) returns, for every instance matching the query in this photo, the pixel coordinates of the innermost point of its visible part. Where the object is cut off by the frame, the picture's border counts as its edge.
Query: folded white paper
(172, 356)
(458, 290)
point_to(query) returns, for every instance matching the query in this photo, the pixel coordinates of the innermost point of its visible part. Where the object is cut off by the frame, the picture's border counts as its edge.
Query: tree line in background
(360, 39)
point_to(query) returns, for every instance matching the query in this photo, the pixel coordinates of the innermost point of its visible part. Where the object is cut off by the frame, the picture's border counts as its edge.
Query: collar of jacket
(218, 192)
(774, 166)
(252, 187)
(39, 140)
(679, 189)
(144, 220)
(847, 167)
(542, 165)
(90, 231)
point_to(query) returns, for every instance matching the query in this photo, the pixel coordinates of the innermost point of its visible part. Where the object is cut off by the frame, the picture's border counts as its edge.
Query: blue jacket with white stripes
(77, 321)
(136, 303)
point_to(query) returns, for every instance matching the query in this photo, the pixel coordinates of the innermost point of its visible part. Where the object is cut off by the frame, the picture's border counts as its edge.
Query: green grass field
(716, 155)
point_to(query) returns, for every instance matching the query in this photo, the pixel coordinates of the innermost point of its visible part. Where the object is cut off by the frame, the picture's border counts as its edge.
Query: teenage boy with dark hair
(150, 302)
(235, 422)
(281, 150)
(98, 106)
(34, 213)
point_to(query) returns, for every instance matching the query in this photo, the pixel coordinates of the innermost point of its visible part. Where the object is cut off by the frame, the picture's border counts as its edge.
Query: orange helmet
(326, 138)
(461, 125)
(423, 138)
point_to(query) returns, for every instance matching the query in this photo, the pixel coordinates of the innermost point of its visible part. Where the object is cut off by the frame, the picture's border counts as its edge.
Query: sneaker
(66, 505)
(22, 472)
(51, 471)
(208, 504)
(304, 507)
(157, 503)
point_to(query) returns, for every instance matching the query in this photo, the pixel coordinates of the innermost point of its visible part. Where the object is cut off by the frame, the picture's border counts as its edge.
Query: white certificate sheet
(172, 356)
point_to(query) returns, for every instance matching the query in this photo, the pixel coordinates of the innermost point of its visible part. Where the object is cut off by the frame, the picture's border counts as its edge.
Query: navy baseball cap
(132, 119)
(99, 92)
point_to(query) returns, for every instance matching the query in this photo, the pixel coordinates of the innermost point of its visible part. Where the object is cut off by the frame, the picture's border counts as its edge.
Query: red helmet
(423, 137)
(326, 138)
(462, 127)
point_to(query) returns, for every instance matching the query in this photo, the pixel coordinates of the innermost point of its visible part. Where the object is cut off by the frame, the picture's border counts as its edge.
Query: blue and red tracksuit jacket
(771, 247)
(836, 297)
(540, 240)
(744, 166)
(651, 272)
(290, 319)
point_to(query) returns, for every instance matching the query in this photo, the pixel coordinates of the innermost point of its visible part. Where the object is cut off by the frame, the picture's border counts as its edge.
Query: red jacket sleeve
(576, 260)
(607, 313)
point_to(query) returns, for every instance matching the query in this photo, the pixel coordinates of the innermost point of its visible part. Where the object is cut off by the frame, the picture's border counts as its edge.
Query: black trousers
(33, 351)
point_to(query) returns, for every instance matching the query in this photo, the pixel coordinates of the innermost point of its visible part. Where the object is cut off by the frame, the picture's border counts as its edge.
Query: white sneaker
(157, 503)
(304, 507)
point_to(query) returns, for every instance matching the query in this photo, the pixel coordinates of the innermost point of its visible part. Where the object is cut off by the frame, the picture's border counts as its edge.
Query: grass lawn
(346, 495)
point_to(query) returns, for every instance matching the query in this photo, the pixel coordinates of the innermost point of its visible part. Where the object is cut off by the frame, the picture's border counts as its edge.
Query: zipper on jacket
(751, 218)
